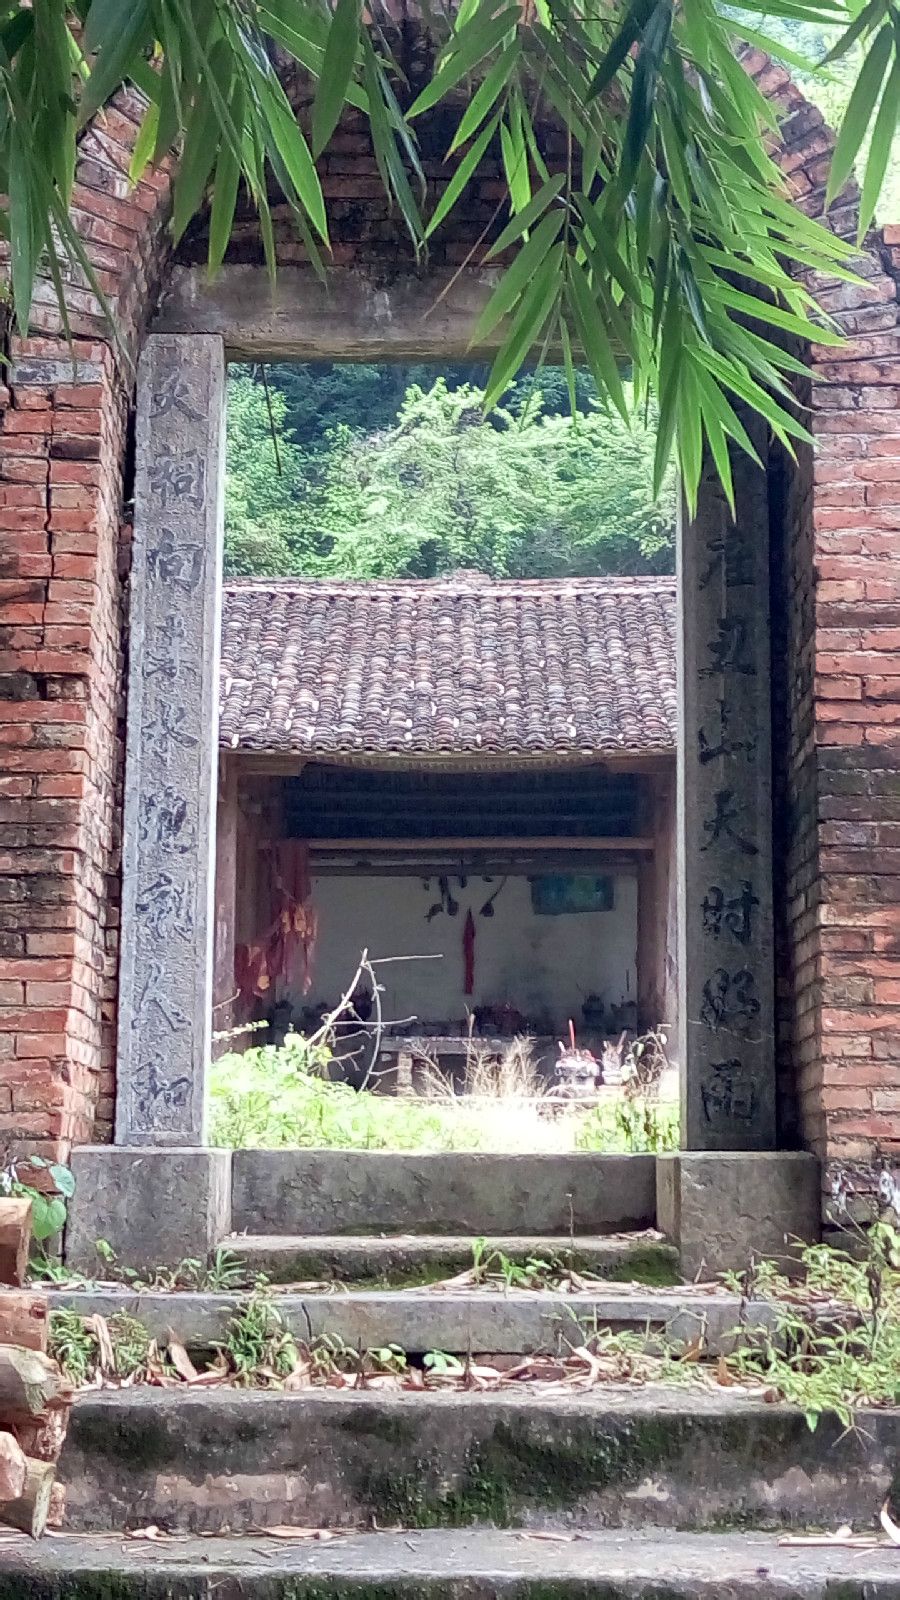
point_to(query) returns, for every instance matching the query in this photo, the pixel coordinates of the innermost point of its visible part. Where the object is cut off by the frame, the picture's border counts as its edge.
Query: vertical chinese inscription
(726, 969)
(169, 833)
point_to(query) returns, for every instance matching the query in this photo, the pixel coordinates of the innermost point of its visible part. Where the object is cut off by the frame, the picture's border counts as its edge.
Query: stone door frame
(726, 959)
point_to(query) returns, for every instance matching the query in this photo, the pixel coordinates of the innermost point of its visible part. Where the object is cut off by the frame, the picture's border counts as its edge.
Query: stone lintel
(722, 1208)
(153, 1207)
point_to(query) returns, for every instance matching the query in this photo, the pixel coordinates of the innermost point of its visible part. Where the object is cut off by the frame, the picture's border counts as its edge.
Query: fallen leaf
(100, 1329)
(889, 1525)
(723, 1376)
(151, 1533)
(322, 1535)
(180, 1359)
(549, 1538)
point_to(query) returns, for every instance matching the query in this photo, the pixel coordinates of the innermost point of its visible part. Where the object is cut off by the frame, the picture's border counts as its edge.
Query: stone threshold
(446, 1566)
(459, 1321)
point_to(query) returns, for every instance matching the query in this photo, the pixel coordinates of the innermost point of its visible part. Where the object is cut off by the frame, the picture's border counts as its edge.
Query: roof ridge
(480, 585)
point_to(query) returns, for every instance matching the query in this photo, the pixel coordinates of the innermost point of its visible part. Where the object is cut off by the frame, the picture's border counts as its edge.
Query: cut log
(30, 1511)
(57, 1514)
(12, 1468)
(15, 1240)
(43, 1437)
(23, 1318)
(29, 1383)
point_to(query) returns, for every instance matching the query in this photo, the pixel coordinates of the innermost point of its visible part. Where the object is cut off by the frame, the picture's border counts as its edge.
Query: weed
(118, 1347)
(48, 1193)
(224, 1273)
(277, 1098)
(835, 1345)
(73, 1346)
(257, 1345)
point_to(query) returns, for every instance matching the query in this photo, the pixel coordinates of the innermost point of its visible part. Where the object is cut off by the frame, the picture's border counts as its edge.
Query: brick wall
(63, 451)
(838, 776)
(64, 469)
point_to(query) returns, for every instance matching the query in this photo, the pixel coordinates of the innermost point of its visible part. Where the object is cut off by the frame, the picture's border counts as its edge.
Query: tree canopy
(666, 243)
(437, 486)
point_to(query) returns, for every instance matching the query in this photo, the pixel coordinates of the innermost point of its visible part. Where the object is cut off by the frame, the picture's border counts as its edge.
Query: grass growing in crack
(835, 1344)
(258, 1346)
(86, 1348)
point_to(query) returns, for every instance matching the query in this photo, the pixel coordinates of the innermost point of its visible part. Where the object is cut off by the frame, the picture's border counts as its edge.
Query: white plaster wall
(539, 964)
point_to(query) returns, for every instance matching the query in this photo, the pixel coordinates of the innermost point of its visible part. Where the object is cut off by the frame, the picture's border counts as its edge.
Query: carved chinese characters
(726, 977)
(164, 989)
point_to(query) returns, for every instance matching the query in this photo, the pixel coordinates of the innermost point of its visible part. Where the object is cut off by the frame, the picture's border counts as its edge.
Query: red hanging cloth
(469, 954)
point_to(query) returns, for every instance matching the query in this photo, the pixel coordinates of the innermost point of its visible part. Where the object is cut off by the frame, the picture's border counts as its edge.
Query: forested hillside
(379, 471)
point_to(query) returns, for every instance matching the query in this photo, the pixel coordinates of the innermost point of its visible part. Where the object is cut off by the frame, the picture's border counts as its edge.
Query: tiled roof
(468, 664)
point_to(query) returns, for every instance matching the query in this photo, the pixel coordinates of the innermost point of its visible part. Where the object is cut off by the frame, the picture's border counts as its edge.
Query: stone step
(377, 1191)
(458, 1321)
(222, 1460)
(446, 1566)
(417, 1258)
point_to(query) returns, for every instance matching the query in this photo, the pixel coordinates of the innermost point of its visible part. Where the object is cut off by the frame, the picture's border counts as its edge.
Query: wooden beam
(353, 316)
(478, 846)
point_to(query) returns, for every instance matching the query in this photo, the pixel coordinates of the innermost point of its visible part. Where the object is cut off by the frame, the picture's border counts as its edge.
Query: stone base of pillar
(722, 1208)
(152, 1207)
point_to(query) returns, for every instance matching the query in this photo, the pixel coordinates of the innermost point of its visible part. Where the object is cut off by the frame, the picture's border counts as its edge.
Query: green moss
(145, 1443)
(516, 1467)
(655, 1265)
(378, 1423)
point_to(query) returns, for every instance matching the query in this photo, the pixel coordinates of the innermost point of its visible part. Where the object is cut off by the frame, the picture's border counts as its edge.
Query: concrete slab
(421, 1320)
(441, 1565)
(722, 1209)
(232, 1460)
(374, 1191)
(154, 1207)
(408, 1258)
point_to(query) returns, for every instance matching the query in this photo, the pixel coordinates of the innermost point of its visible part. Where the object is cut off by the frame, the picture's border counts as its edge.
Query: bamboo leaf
(859, 112)
(341, 51)
(117, 46)
(534, 309)
(525, 219)
(594, 341)
(462, 175)
(486, 95)
(886, 125)
(519, 274)
(474, 42)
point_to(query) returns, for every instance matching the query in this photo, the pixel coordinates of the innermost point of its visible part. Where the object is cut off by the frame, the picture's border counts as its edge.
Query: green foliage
(117, 1347)
(48, 1203)
(257, 1345)
(277, 1098)
(526, 492)
(668, 198)
(634, 1126)
(835, 1345)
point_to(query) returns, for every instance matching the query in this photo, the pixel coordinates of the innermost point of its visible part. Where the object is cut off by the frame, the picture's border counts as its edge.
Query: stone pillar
(165, 982)
(726, 968)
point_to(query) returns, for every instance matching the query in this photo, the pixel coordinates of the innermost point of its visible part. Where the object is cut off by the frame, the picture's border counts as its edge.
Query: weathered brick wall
(63, 451)
(64, 469)
(839, 767)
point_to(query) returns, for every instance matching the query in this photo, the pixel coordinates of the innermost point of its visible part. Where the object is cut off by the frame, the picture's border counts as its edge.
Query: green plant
(443, 1365)
(258, 1347)
(117, 1347)
(73, 1346)
(277, 1098)
(668, 227)
(835, 1344)
(632, 1125)
(48, 1199)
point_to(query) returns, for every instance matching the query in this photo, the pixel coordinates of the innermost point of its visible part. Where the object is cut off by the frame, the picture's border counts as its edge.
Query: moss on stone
(514, 1466)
